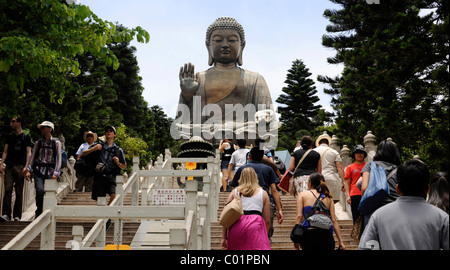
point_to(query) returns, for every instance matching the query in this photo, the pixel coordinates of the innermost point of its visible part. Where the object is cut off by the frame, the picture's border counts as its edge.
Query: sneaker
(4, 218)
(17, 219)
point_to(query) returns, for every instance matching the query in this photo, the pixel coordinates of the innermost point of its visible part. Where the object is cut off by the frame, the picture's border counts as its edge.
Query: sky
(277, 33)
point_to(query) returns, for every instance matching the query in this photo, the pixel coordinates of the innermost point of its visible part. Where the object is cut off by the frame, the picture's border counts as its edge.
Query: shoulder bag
(286, 182)
(377, 190)
(231, 212)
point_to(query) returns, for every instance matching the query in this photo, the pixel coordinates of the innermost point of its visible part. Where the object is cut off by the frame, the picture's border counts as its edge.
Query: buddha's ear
(239, 60)
(210, 59)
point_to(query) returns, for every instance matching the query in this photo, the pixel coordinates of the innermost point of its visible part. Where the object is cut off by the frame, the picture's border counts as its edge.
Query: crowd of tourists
(410, 213)
(23, 161)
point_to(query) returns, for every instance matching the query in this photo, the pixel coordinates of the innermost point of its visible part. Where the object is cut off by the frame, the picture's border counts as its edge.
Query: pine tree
(299, 99)
(394, 60)
(127, 84)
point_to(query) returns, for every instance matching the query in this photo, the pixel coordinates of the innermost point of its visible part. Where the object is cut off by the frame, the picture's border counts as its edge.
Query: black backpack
(86, 165)
(319, 215)
(280, 164)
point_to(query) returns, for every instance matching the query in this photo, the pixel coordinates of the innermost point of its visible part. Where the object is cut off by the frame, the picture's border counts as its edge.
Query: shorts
(103, 184)
(224, 164)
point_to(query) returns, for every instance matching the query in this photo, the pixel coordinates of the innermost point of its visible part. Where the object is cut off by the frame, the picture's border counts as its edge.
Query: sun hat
(89, 132)
(323, 136)
(359, 148)
(47, 124)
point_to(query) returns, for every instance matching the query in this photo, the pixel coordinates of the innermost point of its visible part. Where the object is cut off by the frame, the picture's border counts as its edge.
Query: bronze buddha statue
(225, 98)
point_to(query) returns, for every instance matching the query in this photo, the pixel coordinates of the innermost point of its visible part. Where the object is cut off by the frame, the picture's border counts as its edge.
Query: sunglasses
(109, 130)
(13, 121)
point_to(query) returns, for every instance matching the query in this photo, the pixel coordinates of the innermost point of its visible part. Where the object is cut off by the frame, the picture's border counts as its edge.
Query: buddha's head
(225, 40)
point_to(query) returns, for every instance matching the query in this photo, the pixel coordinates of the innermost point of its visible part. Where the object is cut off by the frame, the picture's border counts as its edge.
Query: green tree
(128, 85)
(300, 115)
(395, 61)
(132, 146)
(162, 138)
(40, 39)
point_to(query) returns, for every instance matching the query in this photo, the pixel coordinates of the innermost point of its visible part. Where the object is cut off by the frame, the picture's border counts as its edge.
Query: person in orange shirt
(352, 174)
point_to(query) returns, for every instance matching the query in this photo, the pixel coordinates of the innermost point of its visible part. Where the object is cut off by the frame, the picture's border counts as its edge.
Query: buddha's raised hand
(188, 81)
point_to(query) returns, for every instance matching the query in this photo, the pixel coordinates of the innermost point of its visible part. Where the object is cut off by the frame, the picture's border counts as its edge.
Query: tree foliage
(60, 62)
(41, 39)
(300, 114)
(395, 77)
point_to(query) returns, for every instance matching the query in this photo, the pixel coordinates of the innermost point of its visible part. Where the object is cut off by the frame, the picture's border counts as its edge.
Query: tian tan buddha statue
(224, 101)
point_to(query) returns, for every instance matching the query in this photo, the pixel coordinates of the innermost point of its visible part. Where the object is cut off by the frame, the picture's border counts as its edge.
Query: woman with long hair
(438, 194)
(388, 157)
(317, 238)
(310, 164)
(250, 231)
(226, 148)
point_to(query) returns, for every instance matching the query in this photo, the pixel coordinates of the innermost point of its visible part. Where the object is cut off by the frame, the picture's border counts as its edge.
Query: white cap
(47, 124)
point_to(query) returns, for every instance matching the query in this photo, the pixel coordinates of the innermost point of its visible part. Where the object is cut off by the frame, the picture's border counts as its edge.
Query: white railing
(199, 210)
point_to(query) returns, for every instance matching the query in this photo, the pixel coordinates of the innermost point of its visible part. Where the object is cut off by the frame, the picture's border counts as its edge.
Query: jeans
(39, 184)
(13, 179)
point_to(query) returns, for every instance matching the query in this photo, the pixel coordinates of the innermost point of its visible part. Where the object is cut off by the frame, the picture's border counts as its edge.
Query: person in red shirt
(352, 174)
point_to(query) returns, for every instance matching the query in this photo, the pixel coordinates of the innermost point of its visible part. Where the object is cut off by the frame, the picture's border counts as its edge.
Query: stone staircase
(8, 230)
(280, 238)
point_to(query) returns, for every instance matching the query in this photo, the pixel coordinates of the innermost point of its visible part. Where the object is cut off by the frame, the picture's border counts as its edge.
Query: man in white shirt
(238, 158)
(85, 180)
(332, 167)
(409, 223)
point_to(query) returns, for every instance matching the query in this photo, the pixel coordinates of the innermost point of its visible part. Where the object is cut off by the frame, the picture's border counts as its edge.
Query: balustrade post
(119, 188)
(177, 239)
(50, 202)
(73, 176)
(100, 241)
(78, 234)
(191, 205)
(345, 156)
(370, 145)
(216, 187)
(204, 235)
(118, 222)
(335, 143)
(135, 188)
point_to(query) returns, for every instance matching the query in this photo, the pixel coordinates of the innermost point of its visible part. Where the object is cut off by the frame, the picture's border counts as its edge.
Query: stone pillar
(191, 205)
(345, 155)
(135, 188)
(370, 146)
(335, 143)
(50, 202)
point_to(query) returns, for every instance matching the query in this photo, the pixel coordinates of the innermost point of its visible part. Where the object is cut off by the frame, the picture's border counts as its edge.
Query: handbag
(231, 212)
(297, 233)
(377, 190)
(287, 182)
